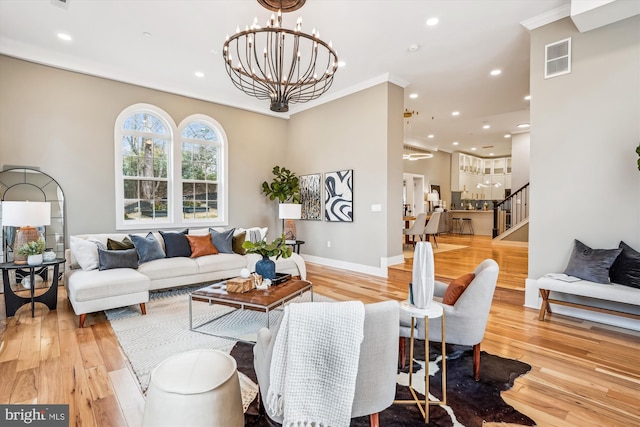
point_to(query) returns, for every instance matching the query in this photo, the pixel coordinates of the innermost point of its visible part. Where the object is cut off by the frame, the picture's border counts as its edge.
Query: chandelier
(278, 64)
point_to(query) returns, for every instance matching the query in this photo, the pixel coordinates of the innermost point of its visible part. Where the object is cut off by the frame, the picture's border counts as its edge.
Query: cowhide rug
(469, 403)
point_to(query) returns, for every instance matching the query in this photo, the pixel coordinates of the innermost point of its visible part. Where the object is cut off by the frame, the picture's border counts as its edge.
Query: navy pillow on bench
(626, 268)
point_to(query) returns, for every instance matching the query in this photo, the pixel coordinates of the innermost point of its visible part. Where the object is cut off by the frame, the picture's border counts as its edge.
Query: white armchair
(466, 320)
(377, 367)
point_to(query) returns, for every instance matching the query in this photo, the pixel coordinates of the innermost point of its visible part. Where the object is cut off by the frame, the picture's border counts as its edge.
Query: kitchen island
(482, 221)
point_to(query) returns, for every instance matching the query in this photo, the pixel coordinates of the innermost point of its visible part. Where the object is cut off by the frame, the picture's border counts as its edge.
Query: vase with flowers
(278, 248)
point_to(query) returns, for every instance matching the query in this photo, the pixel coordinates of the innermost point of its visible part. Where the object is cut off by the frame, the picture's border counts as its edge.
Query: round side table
(433, 312)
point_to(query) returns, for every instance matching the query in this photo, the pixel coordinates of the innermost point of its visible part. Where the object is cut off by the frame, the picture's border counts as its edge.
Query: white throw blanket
(315, 363)
(423, 277)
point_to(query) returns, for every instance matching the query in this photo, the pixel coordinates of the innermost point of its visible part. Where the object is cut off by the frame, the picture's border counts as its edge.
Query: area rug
(164, 331)
(469, 403)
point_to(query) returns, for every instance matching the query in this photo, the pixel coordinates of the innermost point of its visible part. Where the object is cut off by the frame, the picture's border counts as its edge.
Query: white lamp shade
(433, 196)
(290, 211)
(22, 214)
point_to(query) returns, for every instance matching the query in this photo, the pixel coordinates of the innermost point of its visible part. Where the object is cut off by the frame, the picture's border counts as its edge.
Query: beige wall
(354, 132)
(63, 122)
(585, 183)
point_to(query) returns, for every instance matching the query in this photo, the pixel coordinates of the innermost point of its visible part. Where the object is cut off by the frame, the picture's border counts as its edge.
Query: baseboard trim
(351, 266)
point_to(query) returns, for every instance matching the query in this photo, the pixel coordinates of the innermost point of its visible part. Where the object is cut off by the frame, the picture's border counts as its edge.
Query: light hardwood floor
(583, 373)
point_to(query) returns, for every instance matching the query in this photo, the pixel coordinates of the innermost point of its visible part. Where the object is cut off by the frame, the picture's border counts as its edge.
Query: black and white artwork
(311, 196)
(338, 201)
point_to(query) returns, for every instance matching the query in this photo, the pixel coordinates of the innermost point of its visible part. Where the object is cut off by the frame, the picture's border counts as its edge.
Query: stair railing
(511, 211)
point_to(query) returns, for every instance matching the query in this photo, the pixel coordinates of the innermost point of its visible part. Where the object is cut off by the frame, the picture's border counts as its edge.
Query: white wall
(520, 148)
(585, 183)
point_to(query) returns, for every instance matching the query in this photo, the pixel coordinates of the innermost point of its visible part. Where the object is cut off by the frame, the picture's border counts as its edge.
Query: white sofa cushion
(168, 267)
(209, 263)
(95, 284)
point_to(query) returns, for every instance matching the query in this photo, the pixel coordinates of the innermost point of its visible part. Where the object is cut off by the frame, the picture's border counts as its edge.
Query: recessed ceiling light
(341, 64)
(430, 136)
(491, 154)
(524, 125)
(527, 98)
(455, 113)
(507, 135)
(496, 72)
(432, 21)
(413, 95)
(473, 148)
(486, 126)
(199, 74)
(414, 47)
(146, 33)
(213, 51)
(455, 143)
(65, 37)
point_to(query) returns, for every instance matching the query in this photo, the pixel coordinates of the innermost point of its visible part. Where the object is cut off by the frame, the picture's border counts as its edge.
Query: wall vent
(557, 58)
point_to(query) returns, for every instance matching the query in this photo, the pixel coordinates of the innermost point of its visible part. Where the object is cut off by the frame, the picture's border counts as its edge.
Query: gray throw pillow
(626, 268)
(176, 244)
(148, 248)
(591, 264)
(222, 241)
(123, 258)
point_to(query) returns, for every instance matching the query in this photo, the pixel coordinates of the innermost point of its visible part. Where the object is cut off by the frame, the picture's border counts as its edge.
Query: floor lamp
(27, 216)
(287, 212)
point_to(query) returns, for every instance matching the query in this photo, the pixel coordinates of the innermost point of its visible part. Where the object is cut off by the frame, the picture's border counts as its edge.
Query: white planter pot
(34, 259)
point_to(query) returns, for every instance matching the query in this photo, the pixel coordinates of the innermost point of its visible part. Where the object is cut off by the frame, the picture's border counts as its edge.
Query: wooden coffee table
(256, 299)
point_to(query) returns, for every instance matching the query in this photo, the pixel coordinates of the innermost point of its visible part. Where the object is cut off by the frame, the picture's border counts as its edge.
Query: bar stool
(195, 388)
(456, 225)
(469, 224)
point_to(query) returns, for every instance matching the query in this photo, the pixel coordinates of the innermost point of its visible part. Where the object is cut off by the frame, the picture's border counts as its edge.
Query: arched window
(163, 182)
(203, 169)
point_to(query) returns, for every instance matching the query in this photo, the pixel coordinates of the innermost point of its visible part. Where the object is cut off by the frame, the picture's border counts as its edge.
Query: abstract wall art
(338, 201)
(311, 196)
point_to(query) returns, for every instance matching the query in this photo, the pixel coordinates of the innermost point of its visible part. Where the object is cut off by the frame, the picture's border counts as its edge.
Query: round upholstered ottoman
(195, 388)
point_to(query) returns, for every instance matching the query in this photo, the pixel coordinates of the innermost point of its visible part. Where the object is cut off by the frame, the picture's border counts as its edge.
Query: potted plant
(33, 250)
(285, 186)
(278, 248)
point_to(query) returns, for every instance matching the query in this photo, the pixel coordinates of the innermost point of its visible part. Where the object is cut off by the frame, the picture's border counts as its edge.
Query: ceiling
(161, 44)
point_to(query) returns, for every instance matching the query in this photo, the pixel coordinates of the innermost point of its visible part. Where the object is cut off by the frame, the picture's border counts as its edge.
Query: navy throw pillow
(176, 244)
(626, 268)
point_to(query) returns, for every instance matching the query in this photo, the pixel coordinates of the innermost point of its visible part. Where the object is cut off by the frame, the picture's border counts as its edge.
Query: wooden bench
(627, 296)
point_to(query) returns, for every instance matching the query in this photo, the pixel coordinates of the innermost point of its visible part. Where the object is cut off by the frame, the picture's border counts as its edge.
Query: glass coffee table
(257, 300)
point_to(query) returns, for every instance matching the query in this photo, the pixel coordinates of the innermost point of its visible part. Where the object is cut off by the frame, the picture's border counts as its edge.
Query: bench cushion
(609, 292)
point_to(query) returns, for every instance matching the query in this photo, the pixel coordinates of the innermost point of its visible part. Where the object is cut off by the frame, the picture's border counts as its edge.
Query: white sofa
(95, 290)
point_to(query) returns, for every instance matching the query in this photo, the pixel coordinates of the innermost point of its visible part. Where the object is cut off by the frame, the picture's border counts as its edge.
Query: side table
(432, 312)
(295, 245)
(13, 302)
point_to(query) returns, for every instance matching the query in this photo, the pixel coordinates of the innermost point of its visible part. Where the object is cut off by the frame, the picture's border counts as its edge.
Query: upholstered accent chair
(466, 320)
(417, 228)
(377, 366)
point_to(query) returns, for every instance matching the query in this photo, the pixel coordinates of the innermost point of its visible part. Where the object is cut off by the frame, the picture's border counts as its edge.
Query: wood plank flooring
(583, 373)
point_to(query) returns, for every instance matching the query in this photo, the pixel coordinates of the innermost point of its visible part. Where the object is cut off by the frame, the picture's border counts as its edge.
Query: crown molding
(547, 17)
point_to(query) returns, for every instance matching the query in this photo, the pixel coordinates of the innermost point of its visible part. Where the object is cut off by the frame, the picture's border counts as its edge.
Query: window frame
(174, 171)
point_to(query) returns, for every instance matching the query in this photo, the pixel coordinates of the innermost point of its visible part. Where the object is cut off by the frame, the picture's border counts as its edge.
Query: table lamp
(27, 216)
(287, 212)
(432, 197)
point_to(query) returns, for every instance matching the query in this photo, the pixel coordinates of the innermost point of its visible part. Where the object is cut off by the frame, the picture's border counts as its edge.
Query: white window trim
(174, 172)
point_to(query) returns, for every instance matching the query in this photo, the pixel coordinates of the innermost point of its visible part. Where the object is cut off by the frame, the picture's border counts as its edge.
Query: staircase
(511, 217)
